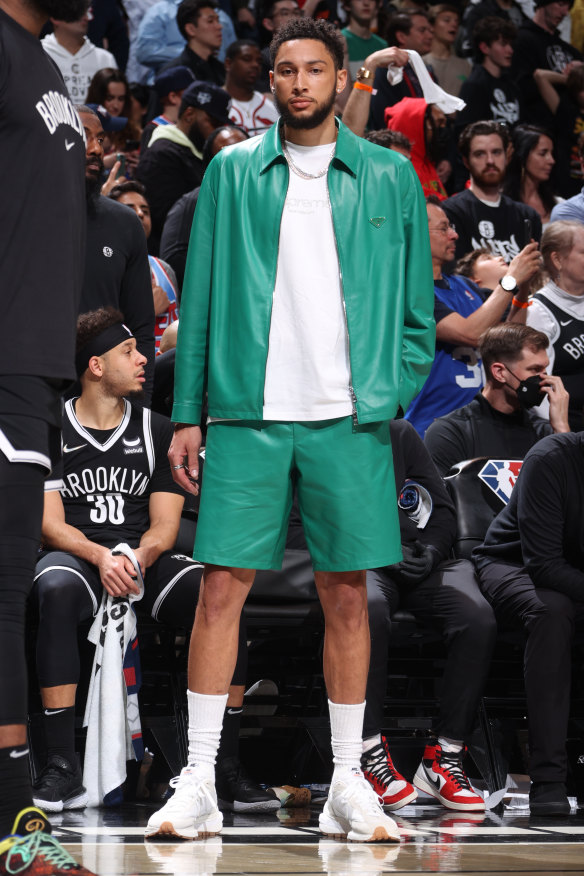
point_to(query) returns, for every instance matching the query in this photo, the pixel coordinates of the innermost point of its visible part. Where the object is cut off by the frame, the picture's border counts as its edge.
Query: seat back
(479, 488)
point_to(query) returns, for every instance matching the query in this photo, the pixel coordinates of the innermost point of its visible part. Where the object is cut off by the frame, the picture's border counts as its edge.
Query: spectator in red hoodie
(424, 125)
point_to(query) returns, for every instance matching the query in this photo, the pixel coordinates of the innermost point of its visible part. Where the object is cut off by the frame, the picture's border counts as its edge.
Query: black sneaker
(548, 798)
(237, 792)
(59, 786)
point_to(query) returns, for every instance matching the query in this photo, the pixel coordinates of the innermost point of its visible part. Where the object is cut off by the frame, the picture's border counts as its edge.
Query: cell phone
(131, 145)
(526, 231)
(122, 159)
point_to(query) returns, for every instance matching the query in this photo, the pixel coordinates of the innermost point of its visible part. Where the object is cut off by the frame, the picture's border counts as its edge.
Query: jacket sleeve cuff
(186, 412)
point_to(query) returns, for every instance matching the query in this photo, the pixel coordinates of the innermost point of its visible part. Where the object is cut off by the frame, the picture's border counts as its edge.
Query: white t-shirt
(255, 115)
(307, 371)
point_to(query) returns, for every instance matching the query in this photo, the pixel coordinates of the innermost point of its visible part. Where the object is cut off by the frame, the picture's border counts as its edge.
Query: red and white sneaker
(391, 787)
(441, 775)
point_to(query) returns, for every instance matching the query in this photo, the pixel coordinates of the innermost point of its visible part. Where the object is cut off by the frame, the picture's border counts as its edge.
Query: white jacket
(78, 69)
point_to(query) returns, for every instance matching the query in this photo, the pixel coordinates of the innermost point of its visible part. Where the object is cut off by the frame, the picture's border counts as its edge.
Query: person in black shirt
(489, 91)
(406, 31)
(497, 423)
(42, 155)
(116, 259)
(172, 165)
(199, 24)
(539, 45)
(483, 217)
(531, 569)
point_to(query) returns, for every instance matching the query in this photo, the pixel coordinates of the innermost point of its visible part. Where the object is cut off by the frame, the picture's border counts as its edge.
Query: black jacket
(542, 527)
(167, 170)
(211, 70)
(117, 273)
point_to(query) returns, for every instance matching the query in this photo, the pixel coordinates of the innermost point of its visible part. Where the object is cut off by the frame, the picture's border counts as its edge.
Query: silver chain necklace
(302, 173)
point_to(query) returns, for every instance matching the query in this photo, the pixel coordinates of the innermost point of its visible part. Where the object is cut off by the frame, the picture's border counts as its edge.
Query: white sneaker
(191, 812)
(353, 810)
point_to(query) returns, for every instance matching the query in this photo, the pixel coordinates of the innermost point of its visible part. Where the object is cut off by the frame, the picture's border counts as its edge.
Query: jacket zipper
(351, 390)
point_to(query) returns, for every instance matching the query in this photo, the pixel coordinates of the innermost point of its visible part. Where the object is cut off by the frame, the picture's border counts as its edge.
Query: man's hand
(559, 399)
(391, 57)
(161, 299)
(116, 574)
(183, 455)
(113, 179)
(525, 264)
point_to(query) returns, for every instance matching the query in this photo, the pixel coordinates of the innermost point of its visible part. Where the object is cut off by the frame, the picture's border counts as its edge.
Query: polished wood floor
(110, 843)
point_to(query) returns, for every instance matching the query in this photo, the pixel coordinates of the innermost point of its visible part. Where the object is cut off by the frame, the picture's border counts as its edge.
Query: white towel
(432, 92)
(109, 734)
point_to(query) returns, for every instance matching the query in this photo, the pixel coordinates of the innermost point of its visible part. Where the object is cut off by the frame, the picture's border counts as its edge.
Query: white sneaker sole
(258, 806)
(423, 785)
(78, 802)
(367, 834)
(210, 825)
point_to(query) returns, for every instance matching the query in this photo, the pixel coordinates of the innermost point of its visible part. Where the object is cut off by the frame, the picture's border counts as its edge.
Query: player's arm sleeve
(192, 342)
(137, 303)
(544, 488)
(419, 335)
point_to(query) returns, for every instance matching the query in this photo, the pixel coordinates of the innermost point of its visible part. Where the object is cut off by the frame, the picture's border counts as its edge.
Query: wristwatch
(363, 74)
(508, 283)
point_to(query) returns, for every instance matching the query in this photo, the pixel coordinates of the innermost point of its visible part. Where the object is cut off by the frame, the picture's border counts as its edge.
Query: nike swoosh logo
(567, 322)
(435, 782)
(51, 712)
(71, 449)
(15, 754)
(68, 145)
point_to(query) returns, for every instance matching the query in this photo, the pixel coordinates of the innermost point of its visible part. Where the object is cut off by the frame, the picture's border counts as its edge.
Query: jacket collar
(346, 153)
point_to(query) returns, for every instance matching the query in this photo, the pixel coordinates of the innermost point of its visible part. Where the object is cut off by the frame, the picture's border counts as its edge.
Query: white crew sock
(346, 732)
(371, 742)
(205, 722)
(450, 746)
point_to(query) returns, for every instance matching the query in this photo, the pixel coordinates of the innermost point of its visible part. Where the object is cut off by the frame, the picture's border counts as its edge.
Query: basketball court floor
(433, 840)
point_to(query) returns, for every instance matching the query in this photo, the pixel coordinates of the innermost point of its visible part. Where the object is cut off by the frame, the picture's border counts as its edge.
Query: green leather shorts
(343, 474)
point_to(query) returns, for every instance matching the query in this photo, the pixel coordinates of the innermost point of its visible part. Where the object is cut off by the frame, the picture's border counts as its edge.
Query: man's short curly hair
(310, 29)
(93, 323)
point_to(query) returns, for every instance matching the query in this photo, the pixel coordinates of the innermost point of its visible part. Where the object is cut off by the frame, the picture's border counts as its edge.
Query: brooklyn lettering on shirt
(507, 248)
(56, 109)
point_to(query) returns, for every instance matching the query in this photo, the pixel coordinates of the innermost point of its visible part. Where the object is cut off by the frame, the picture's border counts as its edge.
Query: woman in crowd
(110, 89)
(557, 309)
(528, 175)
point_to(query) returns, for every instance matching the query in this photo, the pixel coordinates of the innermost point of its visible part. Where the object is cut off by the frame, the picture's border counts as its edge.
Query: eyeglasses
(443, 228)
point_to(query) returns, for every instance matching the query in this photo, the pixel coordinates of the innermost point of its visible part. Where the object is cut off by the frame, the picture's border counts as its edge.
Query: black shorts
(30, 420)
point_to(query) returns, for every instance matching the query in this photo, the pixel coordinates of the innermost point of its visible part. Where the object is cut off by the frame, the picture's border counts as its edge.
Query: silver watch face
(509, 284)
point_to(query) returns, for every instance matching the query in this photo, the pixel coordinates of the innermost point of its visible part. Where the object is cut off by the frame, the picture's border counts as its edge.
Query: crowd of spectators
(502, 175)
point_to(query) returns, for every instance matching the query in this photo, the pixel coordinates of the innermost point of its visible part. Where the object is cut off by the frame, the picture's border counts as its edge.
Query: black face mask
(438, 145)
(529, 393)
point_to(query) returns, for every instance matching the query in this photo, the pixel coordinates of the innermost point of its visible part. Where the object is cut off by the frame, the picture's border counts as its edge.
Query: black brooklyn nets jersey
(108, 476)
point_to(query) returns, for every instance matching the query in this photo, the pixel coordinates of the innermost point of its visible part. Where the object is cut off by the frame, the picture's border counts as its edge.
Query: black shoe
(237, 792)
(549, 798)
(59, 786)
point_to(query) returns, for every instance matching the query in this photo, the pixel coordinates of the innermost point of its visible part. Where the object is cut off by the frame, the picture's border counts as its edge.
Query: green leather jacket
(381, 230)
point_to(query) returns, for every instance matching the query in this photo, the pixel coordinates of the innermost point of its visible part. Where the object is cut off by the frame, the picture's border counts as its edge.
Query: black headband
(100, 344)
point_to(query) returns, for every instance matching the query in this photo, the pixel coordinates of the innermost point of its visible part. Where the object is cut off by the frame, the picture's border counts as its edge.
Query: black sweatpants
(68, 590)
(450, 601)
(549, 618)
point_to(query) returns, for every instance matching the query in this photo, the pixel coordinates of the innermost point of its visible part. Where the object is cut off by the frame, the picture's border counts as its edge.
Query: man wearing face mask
(500, 422)
(531, 570)
(424, 125)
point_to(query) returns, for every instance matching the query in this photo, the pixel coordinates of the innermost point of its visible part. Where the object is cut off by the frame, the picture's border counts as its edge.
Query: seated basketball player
(115, 486)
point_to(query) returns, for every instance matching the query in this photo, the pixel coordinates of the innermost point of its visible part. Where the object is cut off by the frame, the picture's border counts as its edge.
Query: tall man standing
(41, 269)
(313, 329)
